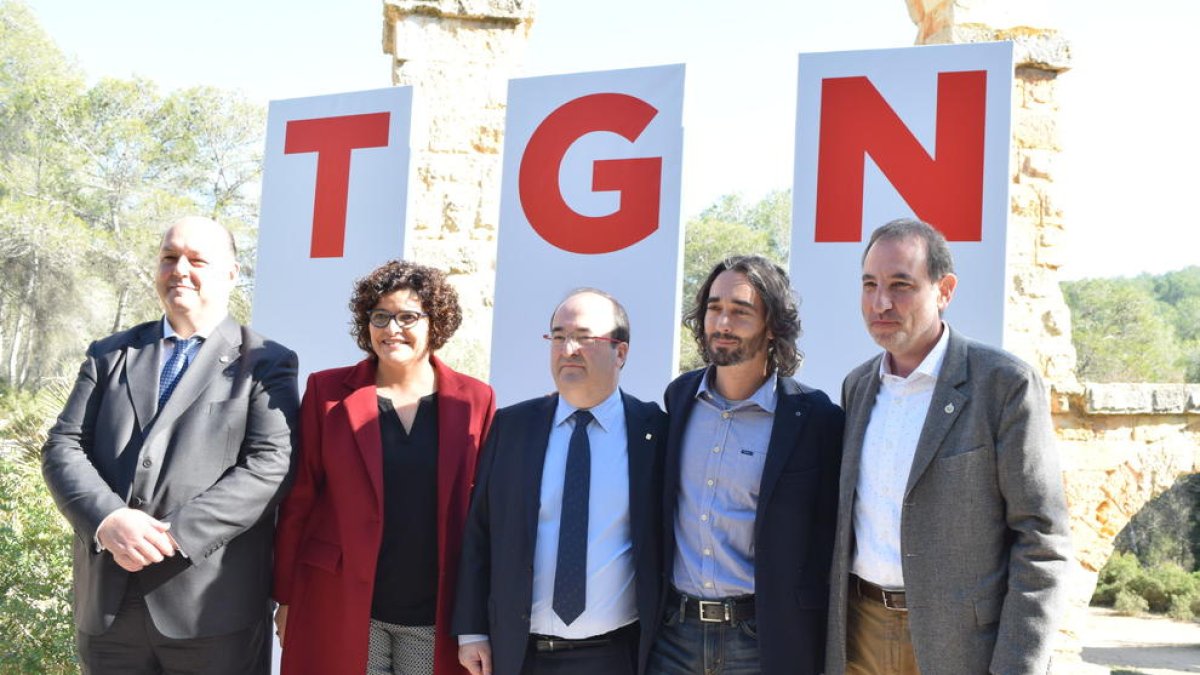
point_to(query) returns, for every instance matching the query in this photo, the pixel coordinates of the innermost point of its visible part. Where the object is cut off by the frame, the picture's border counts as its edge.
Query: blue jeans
(690, 647)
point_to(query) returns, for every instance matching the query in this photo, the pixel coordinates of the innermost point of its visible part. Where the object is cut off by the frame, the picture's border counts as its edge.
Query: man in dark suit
(952, 538)
(750, 493)
(560, 559)
(167, 461)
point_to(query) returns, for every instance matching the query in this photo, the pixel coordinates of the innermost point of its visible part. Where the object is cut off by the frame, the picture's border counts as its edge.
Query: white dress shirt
(888, 448)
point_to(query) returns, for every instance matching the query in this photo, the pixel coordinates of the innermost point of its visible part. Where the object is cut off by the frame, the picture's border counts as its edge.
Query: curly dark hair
(438, 299)
(783, 313)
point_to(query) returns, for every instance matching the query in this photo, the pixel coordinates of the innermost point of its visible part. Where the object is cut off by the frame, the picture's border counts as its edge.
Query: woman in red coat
(368, 539)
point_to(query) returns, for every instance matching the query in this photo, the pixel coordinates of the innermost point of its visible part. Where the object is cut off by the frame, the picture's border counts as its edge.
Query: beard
(742, 350)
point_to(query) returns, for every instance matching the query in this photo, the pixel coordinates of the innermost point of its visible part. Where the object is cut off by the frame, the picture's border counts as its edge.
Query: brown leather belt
(723, 610)
(893, 600)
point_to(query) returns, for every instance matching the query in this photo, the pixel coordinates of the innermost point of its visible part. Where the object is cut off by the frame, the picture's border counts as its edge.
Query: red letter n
(945, 190)
(332, 138)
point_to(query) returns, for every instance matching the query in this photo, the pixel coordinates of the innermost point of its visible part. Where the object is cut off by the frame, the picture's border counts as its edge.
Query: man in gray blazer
(952, 540)
(167, 461)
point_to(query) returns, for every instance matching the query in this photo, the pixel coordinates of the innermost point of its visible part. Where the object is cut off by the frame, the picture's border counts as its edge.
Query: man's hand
(281, 622)
(476, 657)
(135, 539)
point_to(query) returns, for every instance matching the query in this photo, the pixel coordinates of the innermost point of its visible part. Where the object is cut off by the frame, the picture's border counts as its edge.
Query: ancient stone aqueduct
(1121, 444)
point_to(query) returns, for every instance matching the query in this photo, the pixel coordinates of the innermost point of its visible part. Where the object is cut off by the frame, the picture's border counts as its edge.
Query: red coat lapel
(362, 409)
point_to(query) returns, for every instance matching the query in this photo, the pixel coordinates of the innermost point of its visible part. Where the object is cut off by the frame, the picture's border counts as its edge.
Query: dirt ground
(1145, 645)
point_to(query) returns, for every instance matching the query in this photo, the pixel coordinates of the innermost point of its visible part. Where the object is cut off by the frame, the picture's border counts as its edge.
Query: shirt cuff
(96, 537)
(471, 637)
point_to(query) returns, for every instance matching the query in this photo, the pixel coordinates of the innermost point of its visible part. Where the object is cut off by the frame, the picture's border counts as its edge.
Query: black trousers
(133, 646)
(618, 657)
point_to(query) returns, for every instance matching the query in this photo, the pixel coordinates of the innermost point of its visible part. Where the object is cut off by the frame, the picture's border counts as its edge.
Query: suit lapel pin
(949, 408)
(798, 413)
(649, 436)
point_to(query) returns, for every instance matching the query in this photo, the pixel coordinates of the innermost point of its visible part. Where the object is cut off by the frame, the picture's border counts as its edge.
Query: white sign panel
(590, 197)
(335, 184)
(918, 132)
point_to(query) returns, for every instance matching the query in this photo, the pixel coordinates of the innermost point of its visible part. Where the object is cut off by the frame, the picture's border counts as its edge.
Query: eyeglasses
(381, 318)
(560, 340)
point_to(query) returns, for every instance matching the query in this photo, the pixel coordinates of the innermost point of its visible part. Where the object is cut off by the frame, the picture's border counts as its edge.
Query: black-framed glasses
(381, 318)
(560, 340)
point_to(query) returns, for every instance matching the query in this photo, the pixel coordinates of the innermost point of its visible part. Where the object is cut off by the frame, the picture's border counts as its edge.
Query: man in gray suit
(167, 461)
(952, 540)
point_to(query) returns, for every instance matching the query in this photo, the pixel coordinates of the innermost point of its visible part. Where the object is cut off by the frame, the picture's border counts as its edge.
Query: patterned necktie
(570, 574)
(174, 367)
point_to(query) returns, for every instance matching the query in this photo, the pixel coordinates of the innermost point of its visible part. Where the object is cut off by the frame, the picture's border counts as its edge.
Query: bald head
(197, 270)
(205, 223)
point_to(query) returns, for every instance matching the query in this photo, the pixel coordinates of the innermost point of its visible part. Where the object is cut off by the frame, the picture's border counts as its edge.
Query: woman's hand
(280, 622)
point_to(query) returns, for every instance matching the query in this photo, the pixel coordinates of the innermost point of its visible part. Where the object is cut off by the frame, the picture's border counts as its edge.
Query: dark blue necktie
(174, 367)
(570, 574)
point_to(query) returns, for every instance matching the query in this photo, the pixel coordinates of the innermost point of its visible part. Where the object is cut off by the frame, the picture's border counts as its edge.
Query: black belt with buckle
(721, 610)
(550, 643)
(893, 600)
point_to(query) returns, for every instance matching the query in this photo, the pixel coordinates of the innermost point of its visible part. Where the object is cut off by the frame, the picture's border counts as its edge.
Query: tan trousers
(877, 639)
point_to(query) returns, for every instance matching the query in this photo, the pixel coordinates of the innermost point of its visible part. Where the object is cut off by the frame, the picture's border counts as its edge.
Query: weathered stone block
(511, 10)
(1036, 130)
(1038, 87)
(1037, 163)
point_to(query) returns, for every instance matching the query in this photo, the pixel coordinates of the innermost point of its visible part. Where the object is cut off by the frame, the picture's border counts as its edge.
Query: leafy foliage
(88, 178)
(1144, 329)
(1167, 529)
(35, 579)
(1127, 586)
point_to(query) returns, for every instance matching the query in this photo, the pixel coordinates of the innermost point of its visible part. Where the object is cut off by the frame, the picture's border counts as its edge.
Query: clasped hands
(135, 539)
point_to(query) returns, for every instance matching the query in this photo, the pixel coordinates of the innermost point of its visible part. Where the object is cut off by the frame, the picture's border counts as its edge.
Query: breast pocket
(743, 468)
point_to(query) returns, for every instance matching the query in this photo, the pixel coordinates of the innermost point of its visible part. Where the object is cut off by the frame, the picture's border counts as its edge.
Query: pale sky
(1128, 104)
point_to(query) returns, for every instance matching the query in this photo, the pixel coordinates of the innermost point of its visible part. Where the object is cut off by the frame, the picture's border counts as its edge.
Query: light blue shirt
(723, 452)
(611, 600)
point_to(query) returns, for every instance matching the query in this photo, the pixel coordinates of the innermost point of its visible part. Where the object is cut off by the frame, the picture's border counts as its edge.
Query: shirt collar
(930, 366)
(605, 413)
(202, 332)
(765, 397)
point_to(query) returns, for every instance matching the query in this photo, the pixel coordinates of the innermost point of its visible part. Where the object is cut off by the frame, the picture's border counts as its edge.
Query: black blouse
(407, 572)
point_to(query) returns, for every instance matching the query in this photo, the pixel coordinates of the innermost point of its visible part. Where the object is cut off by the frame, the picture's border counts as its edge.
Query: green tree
(88, 178)
(1121, 332)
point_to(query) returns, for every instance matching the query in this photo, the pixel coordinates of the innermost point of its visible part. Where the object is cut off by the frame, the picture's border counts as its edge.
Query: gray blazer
(984, 527)
(213, 462)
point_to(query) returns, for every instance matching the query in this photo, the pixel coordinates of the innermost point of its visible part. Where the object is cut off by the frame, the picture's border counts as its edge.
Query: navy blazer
(794, 525)
(495, 581)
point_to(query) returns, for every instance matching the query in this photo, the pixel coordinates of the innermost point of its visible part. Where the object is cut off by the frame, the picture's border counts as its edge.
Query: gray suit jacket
(984, 534)
(213, 462)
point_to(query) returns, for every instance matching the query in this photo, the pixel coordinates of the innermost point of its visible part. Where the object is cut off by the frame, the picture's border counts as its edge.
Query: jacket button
(146, 462)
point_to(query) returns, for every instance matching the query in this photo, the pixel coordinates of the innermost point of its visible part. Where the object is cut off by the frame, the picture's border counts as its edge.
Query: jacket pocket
(987, 610)
(322, 554)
